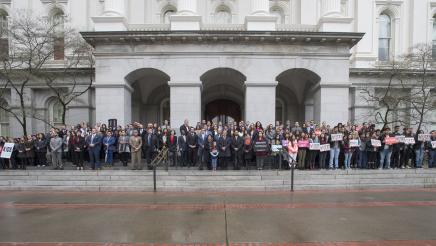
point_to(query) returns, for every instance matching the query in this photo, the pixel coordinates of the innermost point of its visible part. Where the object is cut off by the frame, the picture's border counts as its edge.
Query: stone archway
(294, 91)
(150, 95)
(223, 94)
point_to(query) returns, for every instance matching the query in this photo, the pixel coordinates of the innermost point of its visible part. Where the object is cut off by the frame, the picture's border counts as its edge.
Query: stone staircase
(190, 180)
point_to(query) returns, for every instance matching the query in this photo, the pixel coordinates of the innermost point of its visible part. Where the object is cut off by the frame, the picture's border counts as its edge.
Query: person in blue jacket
(109, 147)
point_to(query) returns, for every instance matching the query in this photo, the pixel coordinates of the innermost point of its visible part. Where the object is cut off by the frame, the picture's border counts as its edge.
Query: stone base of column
(109, 23)
(185, 22)
(261, 23)
(335, 24)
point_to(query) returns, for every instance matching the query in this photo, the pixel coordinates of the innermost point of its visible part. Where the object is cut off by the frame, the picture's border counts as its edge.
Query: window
(168, 11)
(223, 15)
(59, 41)
(4, 42)
(434, 39)
(278, 12)
(4, 120)
(56, 113)
(384, 39)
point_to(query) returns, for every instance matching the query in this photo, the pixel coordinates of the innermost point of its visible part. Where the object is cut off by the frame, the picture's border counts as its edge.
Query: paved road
(375, 217)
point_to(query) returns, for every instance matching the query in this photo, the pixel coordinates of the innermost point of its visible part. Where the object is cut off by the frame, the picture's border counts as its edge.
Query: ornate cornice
(287, 37)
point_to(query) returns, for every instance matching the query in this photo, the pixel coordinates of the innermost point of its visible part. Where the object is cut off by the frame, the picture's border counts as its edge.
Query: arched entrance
(223, 95)
(294, 95)
(151, 95)
(222, 110)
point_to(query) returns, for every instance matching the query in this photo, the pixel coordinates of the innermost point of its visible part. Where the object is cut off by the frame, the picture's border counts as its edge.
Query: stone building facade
(250, 60)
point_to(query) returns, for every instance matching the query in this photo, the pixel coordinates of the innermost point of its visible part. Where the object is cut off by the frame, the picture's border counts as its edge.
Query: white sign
(354, 143)
(337, 137)
(433, 144)
(324, 147)
(276, 148)
(7, 150)
(424, 137)
(409, 140)
(400, 138)
(314, 146)
(375, 143)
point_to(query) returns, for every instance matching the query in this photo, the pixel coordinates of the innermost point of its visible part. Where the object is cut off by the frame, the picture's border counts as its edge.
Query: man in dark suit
(191, 140)
(150, 145)
(237, 144)
(93, 141)
(185, 127)
(183, 148)
(201, 141)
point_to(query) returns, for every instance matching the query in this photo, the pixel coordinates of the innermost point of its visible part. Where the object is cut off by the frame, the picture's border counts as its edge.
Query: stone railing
(223, 27)
(297, 28)
(149, 27)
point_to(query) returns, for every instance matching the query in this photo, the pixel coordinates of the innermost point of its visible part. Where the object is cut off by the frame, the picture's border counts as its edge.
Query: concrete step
(194, 180)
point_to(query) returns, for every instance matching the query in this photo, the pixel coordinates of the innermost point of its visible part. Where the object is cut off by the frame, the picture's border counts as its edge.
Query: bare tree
(421, 80)
(387, 101)
(32, 48)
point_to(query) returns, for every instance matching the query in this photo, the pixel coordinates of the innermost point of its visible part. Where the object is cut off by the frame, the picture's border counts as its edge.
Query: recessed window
(384, 39)
(166, 13)
(278, 12)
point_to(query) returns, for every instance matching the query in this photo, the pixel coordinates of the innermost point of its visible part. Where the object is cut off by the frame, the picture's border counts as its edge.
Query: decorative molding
(122, 86)
(51, 1)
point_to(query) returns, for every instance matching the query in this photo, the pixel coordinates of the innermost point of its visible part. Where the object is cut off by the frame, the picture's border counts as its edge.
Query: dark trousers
(322, 159)
(41, 158)
(237, 161)
(372, 159)
(192, 156)
(77, 157)
(124, 158)
(396, 159)
(94, 158)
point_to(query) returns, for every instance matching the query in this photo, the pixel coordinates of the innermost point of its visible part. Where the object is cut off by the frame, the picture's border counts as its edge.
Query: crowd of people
(225, 146)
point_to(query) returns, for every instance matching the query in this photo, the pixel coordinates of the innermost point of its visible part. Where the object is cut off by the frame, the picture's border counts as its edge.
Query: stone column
(332, 19)
(334, 103)
(260, 19)
(15, 128)
(114, 7)
(330, 8)
(113, 101)
(260, 102)
(185, 103)
(186, 17)
(187, 7)
(259, 7)
(113, 17)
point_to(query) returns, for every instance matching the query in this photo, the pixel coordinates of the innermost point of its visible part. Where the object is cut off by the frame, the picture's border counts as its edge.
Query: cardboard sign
(354, 143)
(409, 140)
(7, 150)
(324, 147)
(391, 140)
(400, 138)
(337, 137)
(424, 137)
(276, 148)
(375, 143)
(433, 144)
(314, 146)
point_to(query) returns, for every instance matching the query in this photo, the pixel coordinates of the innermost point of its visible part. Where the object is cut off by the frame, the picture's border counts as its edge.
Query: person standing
(260, 149)
(224, 145)
(292, 150)
(150, 146)
(335, 150)
(313, 154)
(94, 146)
(385, 150)
(135, 142)
(419, 148)
(21, 155)
(192, 141)
(432, 150)
(77, 143)
(172, 148)
(123, 148)
(214, 155)
(41, 150)
(30, 151)
(109, 147)
(202, 142)
(248, 151)
(56, 151)
(303, 145)
(237, 145)
(182, 148)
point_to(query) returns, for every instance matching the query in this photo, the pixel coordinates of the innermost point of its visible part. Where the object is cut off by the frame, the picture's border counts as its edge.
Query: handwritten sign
(337, 137)
(433, 144)
(314, 146)
(409, 140)
(391, 140)
(375, 143)
(354, 143)
(424, 137)
(276, 148)
(324, 147)
(7, 150)
(400, 138)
